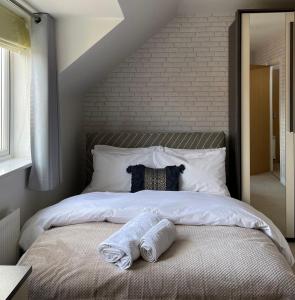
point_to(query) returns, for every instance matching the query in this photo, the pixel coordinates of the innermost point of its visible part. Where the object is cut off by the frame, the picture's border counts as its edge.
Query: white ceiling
(111, 8)
(142, 18)
(266, 27)
(85, 21)
(13, 7)
(139, 19)
(190, 7)
(86, 8)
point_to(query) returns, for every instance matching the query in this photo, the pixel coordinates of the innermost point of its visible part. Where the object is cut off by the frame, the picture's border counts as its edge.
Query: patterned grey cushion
(183, 140)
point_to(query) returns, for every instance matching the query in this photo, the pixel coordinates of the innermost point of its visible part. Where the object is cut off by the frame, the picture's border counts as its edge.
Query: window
(4, 103)
(14, 92)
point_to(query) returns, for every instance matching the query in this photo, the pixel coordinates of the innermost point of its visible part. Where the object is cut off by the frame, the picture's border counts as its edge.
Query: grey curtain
(45, 137)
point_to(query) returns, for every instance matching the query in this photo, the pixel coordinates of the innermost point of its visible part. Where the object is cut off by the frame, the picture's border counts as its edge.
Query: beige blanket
(205, 262)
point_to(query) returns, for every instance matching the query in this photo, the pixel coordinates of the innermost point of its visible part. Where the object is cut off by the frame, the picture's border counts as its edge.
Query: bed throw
(157, 240)
(122, 247)
(205, 262)
(181, 208)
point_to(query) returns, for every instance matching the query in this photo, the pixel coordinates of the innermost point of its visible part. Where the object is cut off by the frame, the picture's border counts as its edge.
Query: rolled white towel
(157, 240)
(122, 247)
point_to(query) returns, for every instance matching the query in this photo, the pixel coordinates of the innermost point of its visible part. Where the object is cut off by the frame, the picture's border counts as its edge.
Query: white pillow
(110, 164)
(204, 169)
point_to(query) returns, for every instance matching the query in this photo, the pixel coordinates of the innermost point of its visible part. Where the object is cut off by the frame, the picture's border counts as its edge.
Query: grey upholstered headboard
(184, 140)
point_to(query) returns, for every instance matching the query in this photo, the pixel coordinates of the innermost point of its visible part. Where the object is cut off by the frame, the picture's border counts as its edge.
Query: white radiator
(9, 236)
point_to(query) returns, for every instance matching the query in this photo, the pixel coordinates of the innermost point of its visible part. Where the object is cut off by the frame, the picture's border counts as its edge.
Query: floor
(292, 246)
(276, 169)
(268, 196)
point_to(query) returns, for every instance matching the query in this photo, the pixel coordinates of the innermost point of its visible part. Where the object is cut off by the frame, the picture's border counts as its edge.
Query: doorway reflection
(267, 116)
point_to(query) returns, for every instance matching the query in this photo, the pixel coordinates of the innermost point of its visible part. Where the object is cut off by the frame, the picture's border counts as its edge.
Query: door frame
(273, 67)
(290, 181)
(245, 108)
(271, 116)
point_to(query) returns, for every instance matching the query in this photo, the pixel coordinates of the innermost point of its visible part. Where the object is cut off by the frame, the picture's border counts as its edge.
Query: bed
(224, 248)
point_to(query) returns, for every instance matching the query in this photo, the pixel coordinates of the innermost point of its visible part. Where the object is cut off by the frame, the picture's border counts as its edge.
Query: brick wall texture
(176, 81)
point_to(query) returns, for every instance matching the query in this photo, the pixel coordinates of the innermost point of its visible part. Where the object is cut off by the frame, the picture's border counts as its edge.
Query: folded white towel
(157, 240)
(122, 247)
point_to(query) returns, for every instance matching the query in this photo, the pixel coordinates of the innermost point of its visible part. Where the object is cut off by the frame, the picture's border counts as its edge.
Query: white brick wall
(273, 53)
(177, 80)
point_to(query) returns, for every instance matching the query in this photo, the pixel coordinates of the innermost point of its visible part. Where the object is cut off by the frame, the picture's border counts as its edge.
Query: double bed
(224, 248)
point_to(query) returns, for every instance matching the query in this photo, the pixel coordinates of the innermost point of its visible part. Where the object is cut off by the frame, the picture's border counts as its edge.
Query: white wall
(13, 191)
(177, 80)
(141, 19)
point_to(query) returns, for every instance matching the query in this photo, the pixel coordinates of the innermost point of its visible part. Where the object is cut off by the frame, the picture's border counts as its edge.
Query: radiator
(9, 236)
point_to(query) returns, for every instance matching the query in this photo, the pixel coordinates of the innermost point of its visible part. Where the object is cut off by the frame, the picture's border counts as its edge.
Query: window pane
(4, 102)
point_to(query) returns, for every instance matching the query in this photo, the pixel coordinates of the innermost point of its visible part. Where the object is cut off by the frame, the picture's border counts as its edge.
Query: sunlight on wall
(74, 36)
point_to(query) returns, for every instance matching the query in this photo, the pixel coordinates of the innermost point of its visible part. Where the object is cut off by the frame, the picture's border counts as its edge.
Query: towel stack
(157, 240)
(147, 235)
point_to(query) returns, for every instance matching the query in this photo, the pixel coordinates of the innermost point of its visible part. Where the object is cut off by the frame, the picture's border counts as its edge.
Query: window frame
(5, 104)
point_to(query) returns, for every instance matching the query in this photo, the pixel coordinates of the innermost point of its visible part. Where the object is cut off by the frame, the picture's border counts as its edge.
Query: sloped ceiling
(79, 24)
(75, 35)
(266, 27)
(86, 8)
(93, 36)
(141, 20)
(228, 6)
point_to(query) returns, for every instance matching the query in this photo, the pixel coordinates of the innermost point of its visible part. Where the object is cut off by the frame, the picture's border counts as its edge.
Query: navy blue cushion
(144, 178)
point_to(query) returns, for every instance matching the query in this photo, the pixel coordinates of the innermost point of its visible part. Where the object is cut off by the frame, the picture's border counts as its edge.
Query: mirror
(268, 115)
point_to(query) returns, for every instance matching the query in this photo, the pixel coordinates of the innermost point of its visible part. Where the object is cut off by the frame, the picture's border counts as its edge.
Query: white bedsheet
(187, 208)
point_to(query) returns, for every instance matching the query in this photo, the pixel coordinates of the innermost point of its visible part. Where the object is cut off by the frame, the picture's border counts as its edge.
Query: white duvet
(187, 208)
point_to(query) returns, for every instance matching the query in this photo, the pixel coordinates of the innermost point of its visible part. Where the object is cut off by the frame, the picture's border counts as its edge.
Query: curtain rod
(36, 18)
